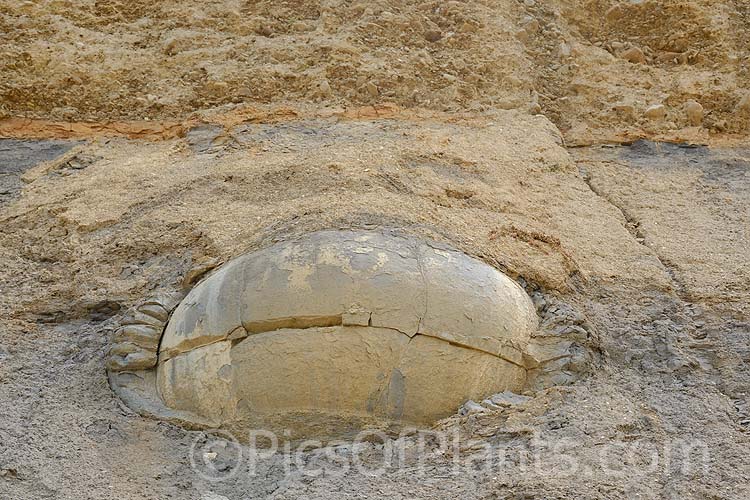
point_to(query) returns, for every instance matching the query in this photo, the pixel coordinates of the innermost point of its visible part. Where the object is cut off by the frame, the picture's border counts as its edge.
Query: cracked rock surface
(346, 327)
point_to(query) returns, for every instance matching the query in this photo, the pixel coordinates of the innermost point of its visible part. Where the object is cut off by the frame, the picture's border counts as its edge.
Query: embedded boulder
(340, 330)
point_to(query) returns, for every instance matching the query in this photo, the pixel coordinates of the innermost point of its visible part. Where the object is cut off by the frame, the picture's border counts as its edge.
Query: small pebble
(471, 407)
(634, 55)
(624, 108)
(300, 26)
(522, 35)
(264, 30)
(433, 35)
(694, 112)
(387, 16)
(655, 112)
(615, 12)
(744, 104)
(325, 87)
(468, 27)
(532, 26)
(171, 46)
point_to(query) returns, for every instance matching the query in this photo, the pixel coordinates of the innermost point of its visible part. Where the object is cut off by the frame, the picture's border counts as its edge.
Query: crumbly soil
(168, 135)
(572, 60)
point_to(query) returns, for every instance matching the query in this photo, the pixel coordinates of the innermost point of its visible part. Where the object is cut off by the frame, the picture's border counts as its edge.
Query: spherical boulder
(339, 330)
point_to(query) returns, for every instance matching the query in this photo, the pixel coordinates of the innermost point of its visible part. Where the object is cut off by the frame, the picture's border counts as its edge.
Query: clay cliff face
(599, 69)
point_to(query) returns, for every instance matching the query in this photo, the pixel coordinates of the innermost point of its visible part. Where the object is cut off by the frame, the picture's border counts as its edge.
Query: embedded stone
(137, 317)
(136, 360)
(340, 330)
(137, 340)
(144, 336)
(156, 311)
(398, 283)
(123, 349)
(655, 112)
(634, 55)
(694, 113)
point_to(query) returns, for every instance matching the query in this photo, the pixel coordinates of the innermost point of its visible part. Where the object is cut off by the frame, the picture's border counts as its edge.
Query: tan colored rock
(156, 311)
(137, 317)
(145, 336)
(694, 112)
(136, 342)
(655, 112)
(341, 330)
(197, 381)
(744, 105)
(388, 277)
(523, 36)
(625, 109)
(136, 360)
(532, 26)
(301, 26)
(672, 57)
(433, 35)
(614, 13)
(325, 87)
(320, 381)
(634, 55)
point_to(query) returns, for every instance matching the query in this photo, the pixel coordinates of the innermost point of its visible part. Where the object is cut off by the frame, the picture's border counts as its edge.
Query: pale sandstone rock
(694, 112)
(624, 108)
(433, 35)
(325, 87)
(655, 112)
(136, 317)
(614, 13)
(343, 330)
(156, 311)
(744, 105)
(193, 381)
(532, 26)
(136, 342)
(136, 360)
(634, 55)
(328, 379)
(144, 336)
(523, 36)
(402, 283)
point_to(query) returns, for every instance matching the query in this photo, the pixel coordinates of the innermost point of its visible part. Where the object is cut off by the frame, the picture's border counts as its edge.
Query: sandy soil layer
(599, 69)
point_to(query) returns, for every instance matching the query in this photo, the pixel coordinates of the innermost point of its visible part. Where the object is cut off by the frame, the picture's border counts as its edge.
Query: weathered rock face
(342, 329)
(136, 342)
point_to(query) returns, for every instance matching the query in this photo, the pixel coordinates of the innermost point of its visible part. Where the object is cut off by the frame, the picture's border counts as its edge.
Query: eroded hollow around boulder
(341, 330)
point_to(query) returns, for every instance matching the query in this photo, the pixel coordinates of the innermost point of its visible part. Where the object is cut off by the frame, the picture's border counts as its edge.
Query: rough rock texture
(18, 156)
(576, 61)
(362, 278)
(331, 382)
(136, 342)
(342, 326)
